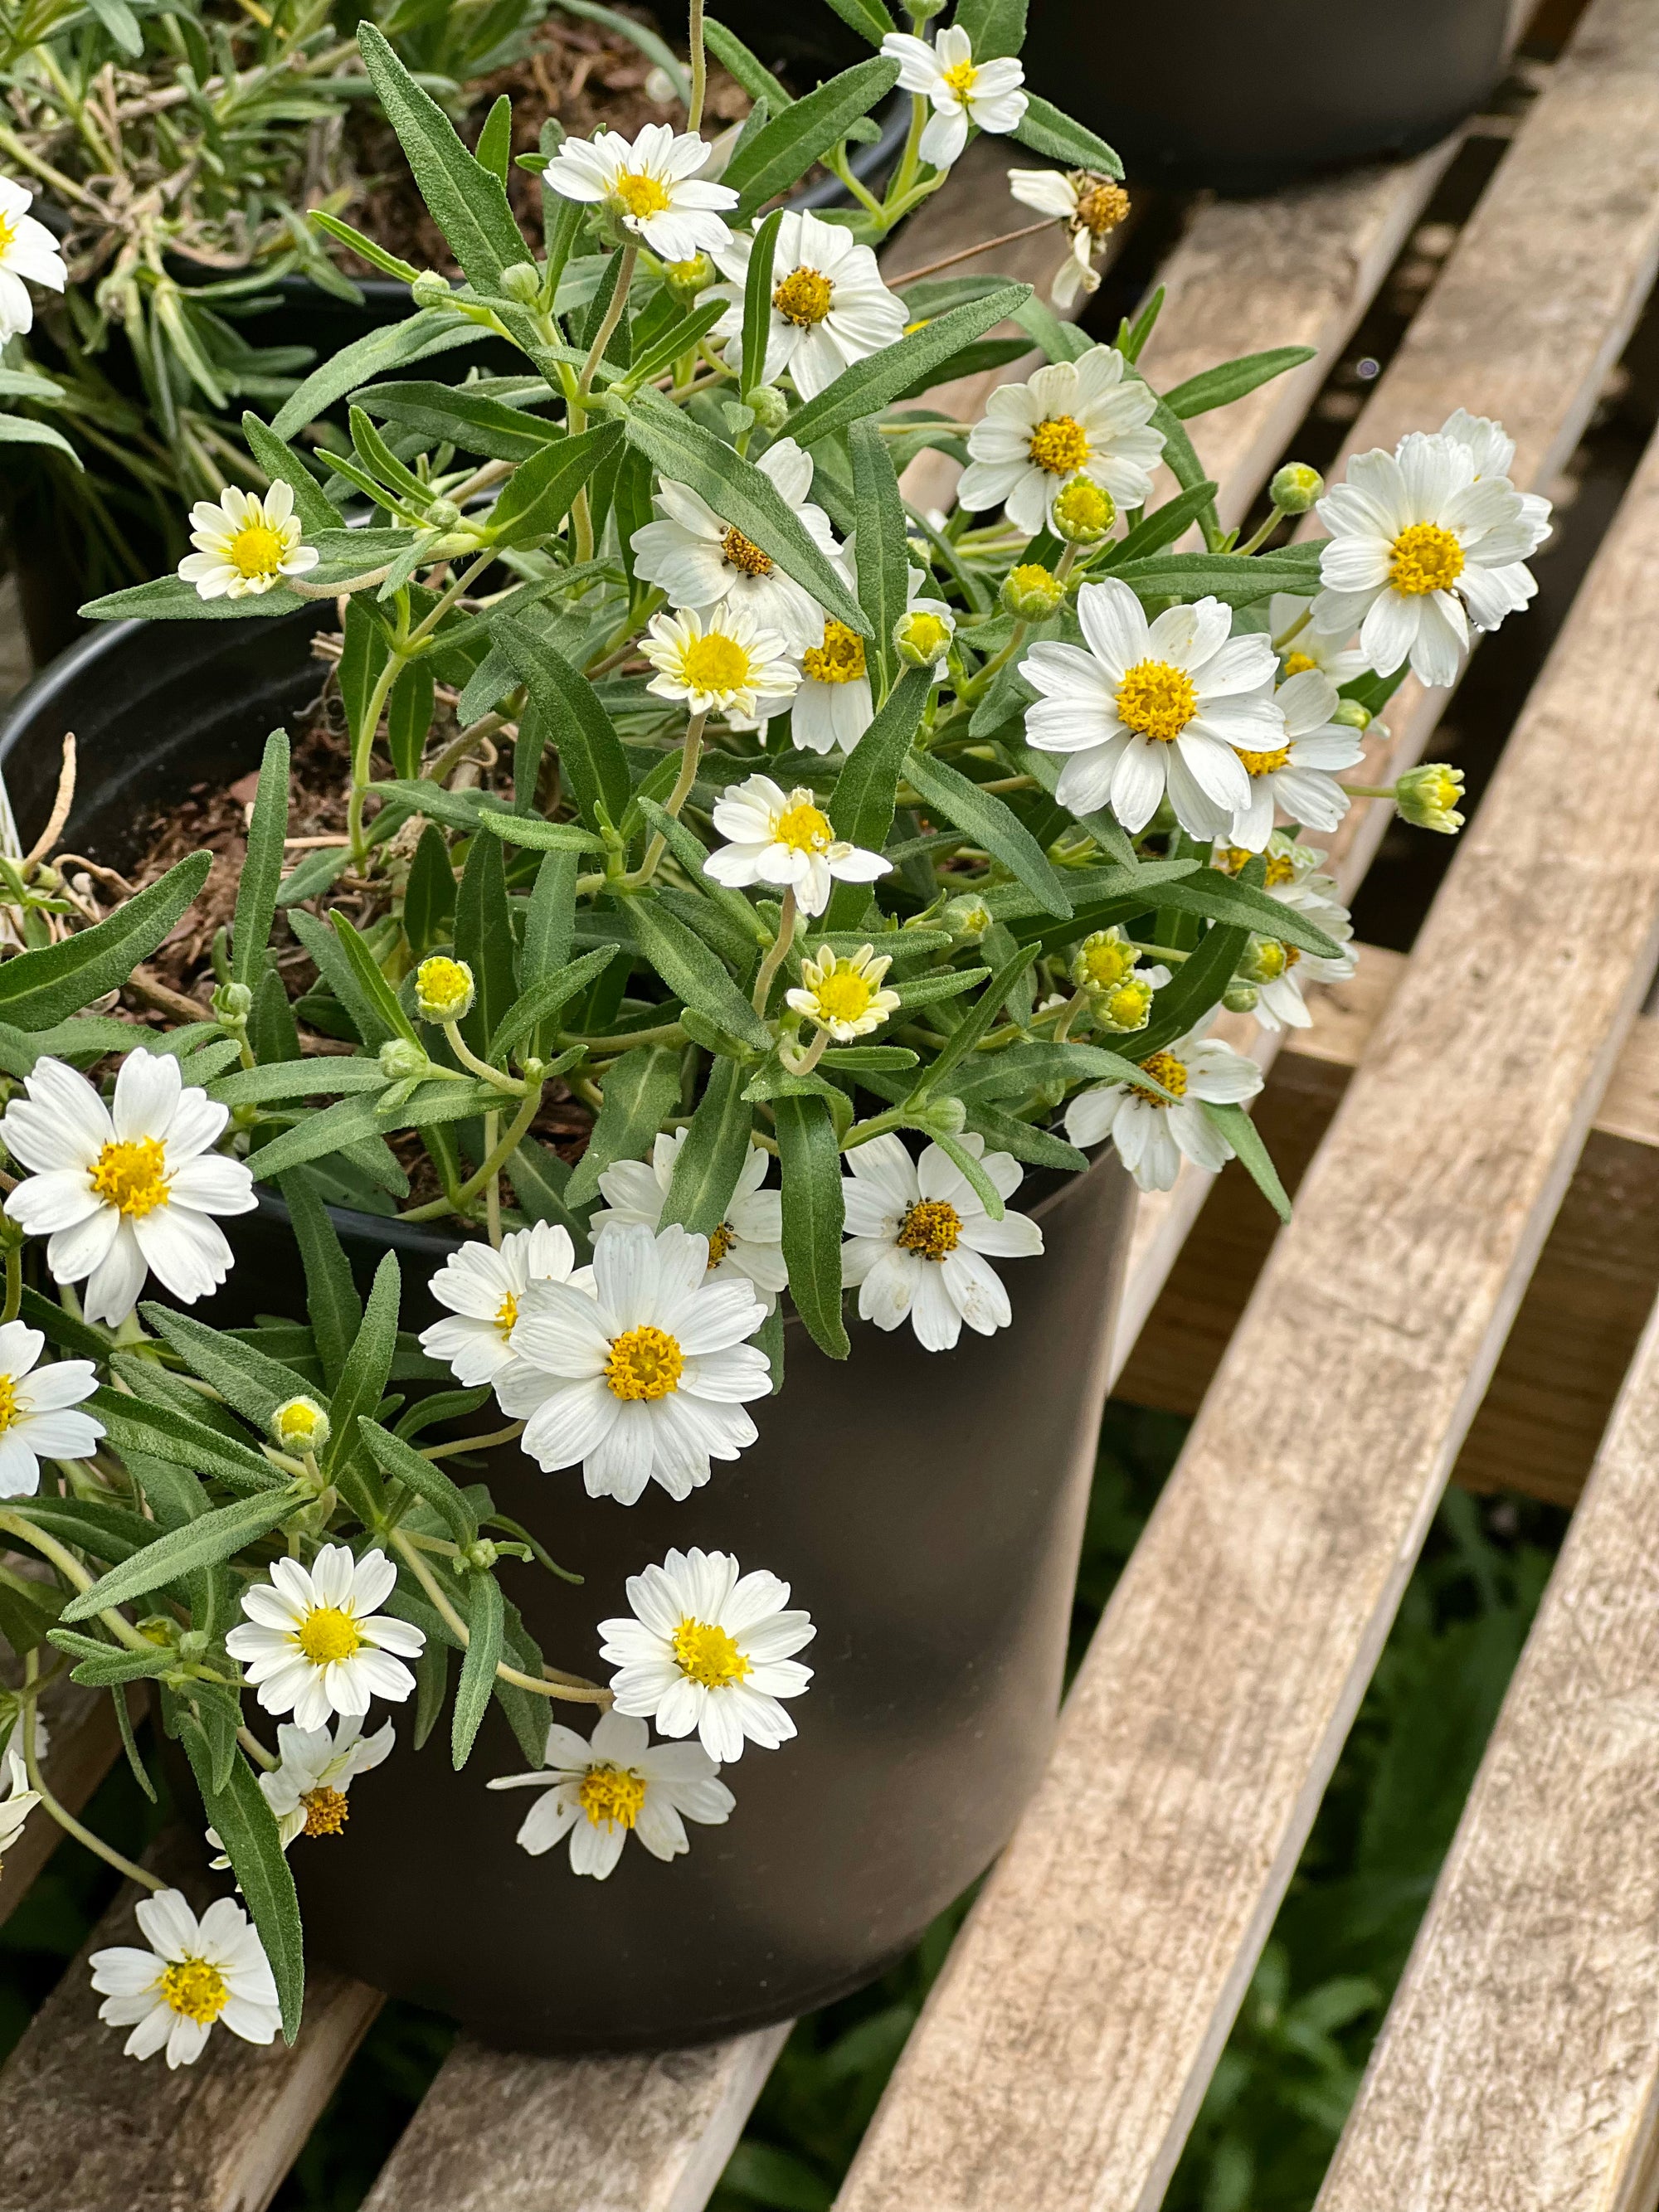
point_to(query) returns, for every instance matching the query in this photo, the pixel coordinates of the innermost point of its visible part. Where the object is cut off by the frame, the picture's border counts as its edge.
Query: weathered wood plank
(84, 2130)
(1069, 2040)
(1520, 2062)
(500, 2133)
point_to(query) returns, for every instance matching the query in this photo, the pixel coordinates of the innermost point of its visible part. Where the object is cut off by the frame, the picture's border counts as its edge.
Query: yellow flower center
(1265, 763)
(1108, 962)
(644, 1363)
(927, 634)
(1156, 699)
(10, 1411)
(930, 1228)
(1059, 445)
(715, 664)
(1427, 558)
(295, 1423)
(1101, 207)
(1270, 961)
(256, 551)
(611, 1796)
(743, 553)
(8, 232)
(802, 827)
(844, 996)
(961, 79)
(326, 1635)
(443, 989)
(1164, 1067)
(507, 1315)
(131, 1176)
(839, 660)
(804, 297)
(1127, 1005)
(1298, 664)
(326, 1810)
(709, 1655)
(1083, 507)
(1281, 869)
(639, 194)
(196, 1989)
(721, 1242)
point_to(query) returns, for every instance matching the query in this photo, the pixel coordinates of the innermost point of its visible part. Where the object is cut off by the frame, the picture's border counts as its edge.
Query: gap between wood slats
(1519, 2064)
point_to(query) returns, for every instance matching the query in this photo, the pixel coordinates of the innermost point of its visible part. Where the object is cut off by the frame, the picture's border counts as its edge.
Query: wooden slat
(1519, 2065)
(84, 2130)
(500, 2133)
(1069, 2040)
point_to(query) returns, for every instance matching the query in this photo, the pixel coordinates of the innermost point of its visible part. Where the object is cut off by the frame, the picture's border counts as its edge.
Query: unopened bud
(233, 1003)
(300, 1425)
(402, 1061)
(1032, 592)
(1082, 513)
(429, 289)
(1295, 488)
(769, 407)
(1428, 797)
(1127, 1007)
(480, 1554)
(522, 281)
(968, 919)
(944, 1117)
(686, 279)
(922, 640)
(920, 14)
(444, 989)
(1102, 960)
(1239, 999)
(1265, 960)
(443, 514)
(1351, 716)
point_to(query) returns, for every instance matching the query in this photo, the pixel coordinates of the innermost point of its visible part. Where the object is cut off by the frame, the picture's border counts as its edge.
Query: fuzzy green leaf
(713, 1154)
(1233, 380)
(47, 986)
(988, 822)
(814, 1215)
(262, 869)
(590, 751)
(693, 971)
(1047, 130)
(640, 1092)
(484, 1624)
(868, 386)
(778, 155)
(216, 1536)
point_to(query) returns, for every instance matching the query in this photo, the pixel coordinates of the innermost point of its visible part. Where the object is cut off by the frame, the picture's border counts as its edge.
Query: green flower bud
(1428, 797)
(947, 1117)
(429, 289)
(300, 1425)
(1082, 513)
(1351, 716)
(768, 405)
(1239, 999)
(194, 1643)
(522, 281)
(922, 640)
(967, 918)
(443, 514)
(1032, 592)
(233, 1003)
(444, 989)
(1127, 1006)
(1265, 960)
(920, 13)
(402, 1061)
(1295, 488)
(685, 279)
(1102, 960)
(480, 1555)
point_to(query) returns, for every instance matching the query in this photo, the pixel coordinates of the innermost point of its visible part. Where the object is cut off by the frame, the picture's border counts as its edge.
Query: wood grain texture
(502, 2133)
(1519, 2065)
(84, 2130)
(1068, 2042)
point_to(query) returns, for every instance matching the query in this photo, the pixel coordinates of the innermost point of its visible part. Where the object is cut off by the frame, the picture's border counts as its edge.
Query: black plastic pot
(927, 1510)
(1215, 92)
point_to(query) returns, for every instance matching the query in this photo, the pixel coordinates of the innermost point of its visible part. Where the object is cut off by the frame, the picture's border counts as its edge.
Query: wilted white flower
(710, 1650)
(119, 1197)
(20, 1800)
(962, 91)
(486, 1291)
(306, 1789)
(651, 187)
(38, 1418)
(1088, 205)
(1151, 1132)
(720, 666)
(314, 1643)
(1151, 707)
(647, 1377)
(919, 1242)
(830, 307)
(784, 837)
(619, 1785)
(244, 543)
(1072, 418)
(747, 1244)
(1279, 973)
(195, 1973)
(27, 249)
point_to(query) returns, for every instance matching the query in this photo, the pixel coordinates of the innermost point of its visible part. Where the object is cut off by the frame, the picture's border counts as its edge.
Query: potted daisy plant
(638, 1174)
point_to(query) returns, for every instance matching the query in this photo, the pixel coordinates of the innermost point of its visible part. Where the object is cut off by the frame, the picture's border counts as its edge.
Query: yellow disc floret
(326, 1636)
(802, 827)
(610, 1796)
(1260, 765)
(196, 1990)
(507, 1315)
(1156, 699)
(326, 1810)
(9, 1407)
(1164, 1067)
(1425, 558)
(644, 1363)
(743, 553)
(444, 989)
(256, 551)
(1298, 664)
(131, 1176)
(961, 79)
(1101, 205)
(1103, 959)
(1083, 512)
(931, 1229)
(1059, 445)
(715, 664)
(300, 1425)
(639, 194)
(804, 297)
(709, 1655)
(839, 660)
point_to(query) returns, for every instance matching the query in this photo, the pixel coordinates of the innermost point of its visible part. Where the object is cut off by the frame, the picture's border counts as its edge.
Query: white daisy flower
(27, 249)
(962, 91)
(124, 1191)
(834, 705)
(748, 1244)
(314, 1643)
(651, 187)
(710, 1650)
(843, 993)
(830, 307)
(601, 1793)
(1151, 1133)
(1309, 647)
(1281, 974)
(1421, 546)
(1295, 776)
(1088, 205)
(195, 1974)
(919, 1242)
(723, 665)
(1072, 418)
(645, 1379)
(1151, 707)
(784, 837)
(245, 544)
(1293, 877)
(37, 1409)
(704, 563)
(306, 1789)
(1493, 451)
(20, 1801)
(486, 1290)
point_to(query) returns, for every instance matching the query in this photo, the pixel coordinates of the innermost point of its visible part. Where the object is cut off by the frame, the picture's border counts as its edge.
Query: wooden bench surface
(1072, 2034)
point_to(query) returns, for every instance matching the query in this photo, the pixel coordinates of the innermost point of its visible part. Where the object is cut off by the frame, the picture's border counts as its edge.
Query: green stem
(463, 1052)
(1275, 516)
(364, 749)
(492, 1123)
(14, 1282)
(699, 70)
(586, 1693)
(65, 1819)
(613, 315)
(510, 1434)
(1294, 631)
(691, 754)
(518, 1129)
(18, 1524)
(774, 959)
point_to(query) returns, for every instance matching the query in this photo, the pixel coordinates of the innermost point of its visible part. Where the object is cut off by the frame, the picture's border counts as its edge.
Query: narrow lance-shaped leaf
(315, 509)
(814, 1214)
(640, 1092)
(1047, 130)
(485, 1623)
(773, 159)
(867, 386)
(217, 1535)
(47, 986)
(862, 805)
(333, 1305)
(757, 301)
(1233, 380)
(693, 971)
(883, 548)
(546, 998)
(713, 1154)
(1241, 1134)
(540, 493)
(590, 751)
(992, 824)
(400, 1462)
(236, 1809)
(262, 869)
